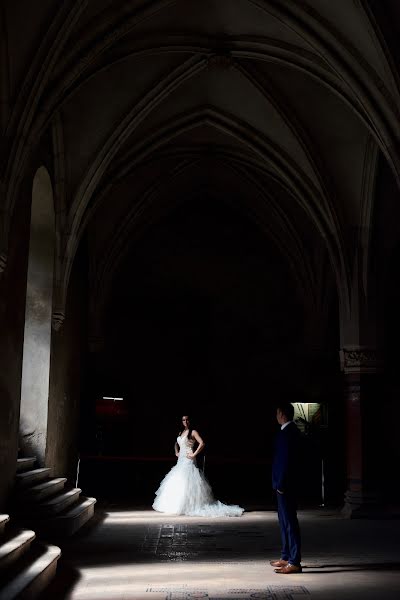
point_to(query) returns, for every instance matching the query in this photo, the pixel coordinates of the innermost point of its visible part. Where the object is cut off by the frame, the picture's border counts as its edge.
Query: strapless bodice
(183, 441)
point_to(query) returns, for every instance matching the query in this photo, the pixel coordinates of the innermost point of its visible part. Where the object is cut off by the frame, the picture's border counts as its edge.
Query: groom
(285, 466)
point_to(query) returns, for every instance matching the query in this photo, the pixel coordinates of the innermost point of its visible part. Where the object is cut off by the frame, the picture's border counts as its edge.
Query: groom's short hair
(286, 409)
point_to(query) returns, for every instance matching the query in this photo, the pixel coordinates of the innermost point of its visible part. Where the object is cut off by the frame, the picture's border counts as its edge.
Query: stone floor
(132, 554)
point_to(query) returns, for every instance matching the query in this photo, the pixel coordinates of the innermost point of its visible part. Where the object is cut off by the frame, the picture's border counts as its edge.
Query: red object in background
(110, 408)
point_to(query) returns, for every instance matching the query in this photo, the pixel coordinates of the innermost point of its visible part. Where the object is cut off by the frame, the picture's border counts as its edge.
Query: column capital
(3, 262)
(57, 319)
(360, 359)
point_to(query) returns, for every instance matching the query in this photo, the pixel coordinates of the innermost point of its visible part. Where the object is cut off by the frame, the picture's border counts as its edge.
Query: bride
(185, 490)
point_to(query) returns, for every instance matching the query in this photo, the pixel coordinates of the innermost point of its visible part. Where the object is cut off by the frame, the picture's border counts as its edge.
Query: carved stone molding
(355, 398)
(360, 359)
(57, 319)
(3, 262)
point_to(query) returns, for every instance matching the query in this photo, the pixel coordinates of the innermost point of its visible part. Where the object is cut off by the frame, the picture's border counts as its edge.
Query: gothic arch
(369, 95)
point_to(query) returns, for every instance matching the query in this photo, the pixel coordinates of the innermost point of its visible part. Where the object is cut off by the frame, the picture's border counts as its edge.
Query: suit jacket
(286, 459)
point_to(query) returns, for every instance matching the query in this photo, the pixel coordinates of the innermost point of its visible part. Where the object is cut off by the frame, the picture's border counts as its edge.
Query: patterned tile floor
(142, 555)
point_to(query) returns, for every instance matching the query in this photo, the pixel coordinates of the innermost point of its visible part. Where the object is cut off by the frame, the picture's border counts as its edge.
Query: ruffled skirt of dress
(186, 491)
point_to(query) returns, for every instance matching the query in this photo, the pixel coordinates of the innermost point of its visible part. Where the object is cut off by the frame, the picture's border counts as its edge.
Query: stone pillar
(13, 268)
(38, 313)
(67, 373)
(362, 369)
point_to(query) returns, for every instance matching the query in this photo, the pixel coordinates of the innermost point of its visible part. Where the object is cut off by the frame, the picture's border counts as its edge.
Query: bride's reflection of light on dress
(186, 491)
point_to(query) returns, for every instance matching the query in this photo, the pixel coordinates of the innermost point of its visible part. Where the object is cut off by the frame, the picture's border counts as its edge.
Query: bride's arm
(176, 449)
(200, 447)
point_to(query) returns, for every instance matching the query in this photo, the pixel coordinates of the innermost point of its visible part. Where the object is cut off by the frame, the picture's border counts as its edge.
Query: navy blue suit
(285, 465)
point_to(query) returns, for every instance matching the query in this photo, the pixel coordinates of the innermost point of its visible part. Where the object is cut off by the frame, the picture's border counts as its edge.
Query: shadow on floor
(68, 576)
(337, 568)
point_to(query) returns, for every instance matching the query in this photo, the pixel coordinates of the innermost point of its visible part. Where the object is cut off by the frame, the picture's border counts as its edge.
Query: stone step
(32, 477)
(13, 548)
(68, 522)
(42, 490)
(33, 577)
(3, 522)
(58, 503)
(24, 464)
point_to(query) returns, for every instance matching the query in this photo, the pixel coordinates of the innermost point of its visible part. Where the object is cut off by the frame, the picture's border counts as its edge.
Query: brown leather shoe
(279, 563)
(289, 569)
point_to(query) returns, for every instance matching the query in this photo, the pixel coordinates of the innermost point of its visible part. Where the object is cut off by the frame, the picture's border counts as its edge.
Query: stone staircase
(26, 566)
(47, 504)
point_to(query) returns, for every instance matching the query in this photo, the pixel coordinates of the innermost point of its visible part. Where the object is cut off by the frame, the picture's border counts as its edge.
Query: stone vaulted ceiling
(280, 107)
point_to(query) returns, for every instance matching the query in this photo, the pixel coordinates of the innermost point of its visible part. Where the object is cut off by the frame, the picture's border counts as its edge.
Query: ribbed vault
(289, 102)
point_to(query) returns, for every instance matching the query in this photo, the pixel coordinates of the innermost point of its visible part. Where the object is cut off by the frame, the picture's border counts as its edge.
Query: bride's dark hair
(190, 428)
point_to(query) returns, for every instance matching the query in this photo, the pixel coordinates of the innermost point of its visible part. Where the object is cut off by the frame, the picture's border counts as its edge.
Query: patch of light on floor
(149, 517)
(120, 579)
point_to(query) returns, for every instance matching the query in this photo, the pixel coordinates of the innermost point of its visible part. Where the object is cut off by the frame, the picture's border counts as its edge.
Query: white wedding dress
(186, 491)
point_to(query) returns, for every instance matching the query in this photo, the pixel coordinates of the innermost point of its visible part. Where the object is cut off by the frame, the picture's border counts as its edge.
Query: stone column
(13, 268)
(38, 314)
(361, 368)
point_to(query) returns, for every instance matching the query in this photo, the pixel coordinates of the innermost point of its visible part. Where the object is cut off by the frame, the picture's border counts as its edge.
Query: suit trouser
(290, 530)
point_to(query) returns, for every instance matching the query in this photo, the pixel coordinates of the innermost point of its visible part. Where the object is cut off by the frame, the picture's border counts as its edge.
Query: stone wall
(67, 368)
(12, 316)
